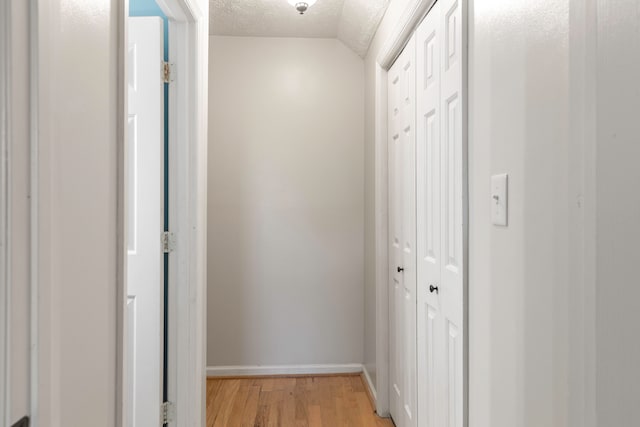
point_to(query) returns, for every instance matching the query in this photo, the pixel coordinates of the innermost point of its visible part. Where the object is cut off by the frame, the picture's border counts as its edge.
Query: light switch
(499, 199)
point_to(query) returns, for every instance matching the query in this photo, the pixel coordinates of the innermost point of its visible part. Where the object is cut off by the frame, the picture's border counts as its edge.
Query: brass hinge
(167, 412)
(168, 72)
(168, 242)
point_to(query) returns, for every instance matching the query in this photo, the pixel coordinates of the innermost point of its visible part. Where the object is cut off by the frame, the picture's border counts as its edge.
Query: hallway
(438, 194)
(291, 401)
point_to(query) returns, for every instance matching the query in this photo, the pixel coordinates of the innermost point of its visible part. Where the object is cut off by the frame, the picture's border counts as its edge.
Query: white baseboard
(241, 371)
(369, 383)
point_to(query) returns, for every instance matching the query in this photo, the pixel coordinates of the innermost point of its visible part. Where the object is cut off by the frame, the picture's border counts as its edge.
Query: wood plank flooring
(328, 401)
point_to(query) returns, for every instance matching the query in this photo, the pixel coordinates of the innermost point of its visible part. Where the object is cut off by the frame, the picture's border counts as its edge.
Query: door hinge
(168, 242)
(168, 72)
(167, 412)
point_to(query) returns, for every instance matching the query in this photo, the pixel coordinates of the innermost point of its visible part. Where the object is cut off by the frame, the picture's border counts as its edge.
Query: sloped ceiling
(354, 22)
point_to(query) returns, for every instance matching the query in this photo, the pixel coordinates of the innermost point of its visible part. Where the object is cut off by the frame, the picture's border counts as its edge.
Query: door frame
(5, 209)
(188, 50)
(409, 21)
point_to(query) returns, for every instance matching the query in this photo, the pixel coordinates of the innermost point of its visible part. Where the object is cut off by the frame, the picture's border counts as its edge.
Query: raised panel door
(452, 211)
(403, 238)
(440, 212)
(428, 160)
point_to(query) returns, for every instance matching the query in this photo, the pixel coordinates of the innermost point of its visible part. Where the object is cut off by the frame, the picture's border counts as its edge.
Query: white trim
(381, 243)
(181, 10)
(413, 14)
(583, 48)
(241, 371)
(121, 253)
(5, 229)
(465, 5)
(34, 230)
(198, 225)
(176, 374)
(182, 375)
(48, 358)
(369, 384)
(187, 215)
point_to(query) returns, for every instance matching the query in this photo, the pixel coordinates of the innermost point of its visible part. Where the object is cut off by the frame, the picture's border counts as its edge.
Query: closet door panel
(402, 94)
(395, 239)
(452, 208)
(430, 322)
(409, 232)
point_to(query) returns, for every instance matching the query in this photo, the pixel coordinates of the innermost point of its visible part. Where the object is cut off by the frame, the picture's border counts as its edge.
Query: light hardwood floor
(328, 401)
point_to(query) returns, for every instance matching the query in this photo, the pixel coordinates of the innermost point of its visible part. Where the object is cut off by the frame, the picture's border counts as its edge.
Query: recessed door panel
(452, 174)
(454, 372)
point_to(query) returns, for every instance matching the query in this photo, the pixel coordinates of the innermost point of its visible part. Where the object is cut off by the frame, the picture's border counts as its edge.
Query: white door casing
(145, 211)
(441, 192)
(5, 25)
(402, 226)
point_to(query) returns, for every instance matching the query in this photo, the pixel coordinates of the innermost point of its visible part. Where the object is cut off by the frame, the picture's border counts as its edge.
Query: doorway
(161, 369)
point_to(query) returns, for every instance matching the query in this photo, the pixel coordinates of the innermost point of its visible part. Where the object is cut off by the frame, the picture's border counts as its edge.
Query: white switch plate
(499, 199)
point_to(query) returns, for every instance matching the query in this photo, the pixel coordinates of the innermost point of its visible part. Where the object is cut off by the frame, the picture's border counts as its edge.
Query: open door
(145, 222)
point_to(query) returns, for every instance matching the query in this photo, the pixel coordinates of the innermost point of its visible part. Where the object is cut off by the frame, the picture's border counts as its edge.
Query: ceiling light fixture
(302, 5)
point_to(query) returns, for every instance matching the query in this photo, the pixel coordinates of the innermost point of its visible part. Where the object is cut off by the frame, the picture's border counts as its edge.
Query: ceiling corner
(359, 22)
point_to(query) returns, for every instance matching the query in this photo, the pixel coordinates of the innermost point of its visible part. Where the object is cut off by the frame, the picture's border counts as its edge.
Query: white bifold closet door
(440, 209)
(427, 232)
(402, 227)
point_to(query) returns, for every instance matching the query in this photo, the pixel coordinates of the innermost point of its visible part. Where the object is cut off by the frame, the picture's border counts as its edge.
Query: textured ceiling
(354, 22)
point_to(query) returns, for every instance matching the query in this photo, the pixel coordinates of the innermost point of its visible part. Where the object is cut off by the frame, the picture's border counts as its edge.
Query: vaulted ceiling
(354, 22)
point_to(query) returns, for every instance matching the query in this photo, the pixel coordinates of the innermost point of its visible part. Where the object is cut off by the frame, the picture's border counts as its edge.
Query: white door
(428, 223)
(440, 210)
(402, 309)
(145, 221)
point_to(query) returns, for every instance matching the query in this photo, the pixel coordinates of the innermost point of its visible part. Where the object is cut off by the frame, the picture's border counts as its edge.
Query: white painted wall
(19, 215)
(78, 222)
(618, 213)
(78, 217)
(519, 276)
(554, 298)
(389, 21)
(285, 202)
